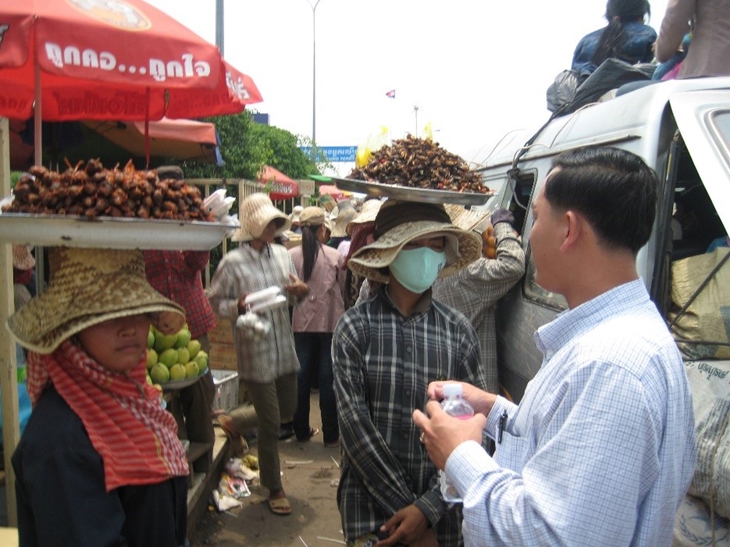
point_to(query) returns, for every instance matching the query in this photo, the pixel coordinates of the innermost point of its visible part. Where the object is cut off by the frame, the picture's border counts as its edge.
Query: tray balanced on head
(414, 169)
(116, 209)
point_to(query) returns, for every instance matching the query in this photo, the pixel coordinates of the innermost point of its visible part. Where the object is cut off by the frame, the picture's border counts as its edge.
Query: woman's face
(117, 344)
(267, 236)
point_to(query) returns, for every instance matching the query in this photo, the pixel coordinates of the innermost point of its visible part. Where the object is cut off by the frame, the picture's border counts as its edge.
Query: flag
(428, 132)
(390, 94)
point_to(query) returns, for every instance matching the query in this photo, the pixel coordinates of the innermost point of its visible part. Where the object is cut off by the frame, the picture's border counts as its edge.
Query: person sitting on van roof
(601, 449)
(626, 37)
(708, 21)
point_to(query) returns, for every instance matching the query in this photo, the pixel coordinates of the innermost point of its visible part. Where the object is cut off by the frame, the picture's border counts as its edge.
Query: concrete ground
(310, 476)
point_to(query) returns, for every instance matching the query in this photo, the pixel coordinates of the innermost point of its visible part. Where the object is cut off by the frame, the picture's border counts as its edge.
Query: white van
(681, 128)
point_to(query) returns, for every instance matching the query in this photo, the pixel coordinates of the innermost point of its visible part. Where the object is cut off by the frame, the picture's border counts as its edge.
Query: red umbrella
(111, 59)
(282, 187)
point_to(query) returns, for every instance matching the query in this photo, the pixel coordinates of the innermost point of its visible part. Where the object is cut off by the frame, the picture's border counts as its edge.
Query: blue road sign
(334, 153)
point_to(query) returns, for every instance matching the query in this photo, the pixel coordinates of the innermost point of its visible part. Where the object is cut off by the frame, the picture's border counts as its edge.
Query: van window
(520, 206)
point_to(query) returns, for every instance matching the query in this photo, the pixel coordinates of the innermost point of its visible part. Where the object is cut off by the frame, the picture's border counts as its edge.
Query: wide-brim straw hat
(22, 259)
(367, 214)
(462, 248)
(255, 213)
(466, 219)
(88, 287)
(343, 219)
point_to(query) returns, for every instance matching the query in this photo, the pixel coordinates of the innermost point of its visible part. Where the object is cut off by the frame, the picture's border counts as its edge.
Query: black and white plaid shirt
(383, 363)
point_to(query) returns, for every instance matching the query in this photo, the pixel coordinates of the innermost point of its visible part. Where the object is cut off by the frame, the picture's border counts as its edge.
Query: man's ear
(574, 226)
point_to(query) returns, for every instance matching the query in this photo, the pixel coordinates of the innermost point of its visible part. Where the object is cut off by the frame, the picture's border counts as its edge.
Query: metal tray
(111, 233)
(426, 195)
(179, 384)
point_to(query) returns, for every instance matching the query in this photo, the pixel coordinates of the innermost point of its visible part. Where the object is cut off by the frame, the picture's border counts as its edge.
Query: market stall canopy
(282, 187)
(332, 190)
(114, 142)
(181, 139)
(122, 60)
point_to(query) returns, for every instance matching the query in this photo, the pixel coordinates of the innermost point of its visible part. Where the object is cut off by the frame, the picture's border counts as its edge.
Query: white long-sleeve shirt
(601, 449)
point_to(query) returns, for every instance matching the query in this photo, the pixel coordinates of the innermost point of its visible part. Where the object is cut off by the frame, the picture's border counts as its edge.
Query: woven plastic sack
(710, 385)
(703, 330)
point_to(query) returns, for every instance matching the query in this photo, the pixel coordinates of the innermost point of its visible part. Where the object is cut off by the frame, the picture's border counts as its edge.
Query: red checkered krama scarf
(135, 437)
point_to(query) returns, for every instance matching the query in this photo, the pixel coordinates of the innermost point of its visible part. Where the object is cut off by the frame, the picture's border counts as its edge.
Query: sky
(476, 69)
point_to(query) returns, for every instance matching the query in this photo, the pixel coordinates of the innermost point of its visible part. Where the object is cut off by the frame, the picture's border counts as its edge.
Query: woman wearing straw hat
(267, 367)
(385, 352)
(99, 462)
(313, 321)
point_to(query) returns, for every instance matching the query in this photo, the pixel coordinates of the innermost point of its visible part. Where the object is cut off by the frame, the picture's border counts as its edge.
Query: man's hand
(443, 433)
(406, 526)
(481, 401)
(297, 287)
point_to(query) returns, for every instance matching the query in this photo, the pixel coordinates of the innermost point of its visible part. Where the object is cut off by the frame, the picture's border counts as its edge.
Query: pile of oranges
(489, 243)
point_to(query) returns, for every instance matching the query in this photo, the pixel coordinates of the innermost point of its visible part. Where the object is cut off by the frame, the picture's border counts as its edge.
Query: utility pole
(219, 38)
(314, 70)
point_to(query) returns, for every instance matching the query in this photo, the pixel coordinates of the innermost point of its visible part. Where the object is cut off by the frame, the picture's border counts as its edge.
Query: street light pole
(314, 70)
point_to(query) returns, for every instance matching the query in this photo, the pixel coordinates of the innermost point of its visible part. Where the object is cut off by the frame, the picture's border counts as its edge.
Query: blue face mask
(417, 269)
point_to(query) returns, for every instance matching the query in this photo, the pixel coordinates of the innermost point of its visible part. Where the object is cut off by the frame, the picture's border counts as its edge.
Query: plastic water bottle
(454, 405)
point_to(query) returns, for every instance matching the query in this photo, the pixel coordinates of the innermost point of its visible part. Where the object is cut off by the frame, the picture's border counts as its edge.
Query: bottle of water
(454, 405)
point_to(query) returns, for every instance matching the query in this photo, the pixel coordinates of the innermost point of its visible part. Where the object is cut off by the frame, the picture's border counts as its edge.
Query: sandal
(239, 445)
(312, 432)
(280, 506)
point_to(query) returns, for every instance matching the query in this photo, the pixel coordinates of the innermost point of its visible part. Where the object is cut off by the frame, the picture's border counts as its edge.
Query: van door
(703, 118)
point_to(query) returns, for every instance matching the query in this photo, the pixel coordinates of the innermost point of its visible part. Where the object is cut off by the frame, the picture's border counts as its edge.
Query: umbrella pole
(38, 119)
(147, 131)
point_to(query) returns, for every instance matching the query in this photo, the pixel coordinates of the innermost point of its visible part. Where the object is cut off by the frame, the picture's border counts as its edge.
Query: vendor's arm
(674, 26)
(224, 293)
(582, 449)
(195, 261)
(366, 450)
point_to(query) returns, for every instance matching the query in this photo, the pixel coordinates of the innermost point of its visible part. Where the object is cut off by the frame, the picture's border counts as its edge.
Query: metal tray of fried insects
(405, 193)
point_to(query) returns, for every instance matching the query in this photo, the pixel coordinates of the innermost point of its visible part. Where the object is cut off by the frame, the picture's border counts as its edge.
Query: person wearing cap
(177, 275)
(476, 289)
(314, 321)
(267, 366)
(386, 350)
(100, 462)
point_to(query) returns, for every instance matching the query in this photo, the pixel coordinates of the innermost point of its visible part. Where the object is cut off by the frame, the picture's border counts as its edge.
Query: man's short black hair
(612, 188)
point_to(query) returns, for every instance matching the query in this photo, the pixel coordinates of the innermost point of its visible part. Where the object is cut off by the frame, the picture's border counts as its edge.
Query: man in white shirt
(601, 450)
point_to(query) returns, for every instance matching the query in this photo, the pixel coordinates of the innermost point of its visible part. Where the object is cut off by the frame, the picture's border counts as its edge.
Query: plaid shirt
(383, 363)
(475, 290)
(176, 274)
(245, 270)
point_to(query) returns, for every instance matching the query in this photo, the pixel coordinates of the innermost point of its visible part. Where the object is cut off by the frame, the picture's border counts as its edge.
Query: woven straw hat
(88, 287)
(255, 213)
(462, 247)
(342, 220)
(294, 216)
(312, 216)
(466, 219)
(22, 259)
(367, 214)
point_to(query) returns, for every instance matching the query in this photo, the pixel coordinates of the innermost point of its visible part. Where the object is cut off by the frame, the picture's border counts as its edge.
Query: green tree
(247, 146)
